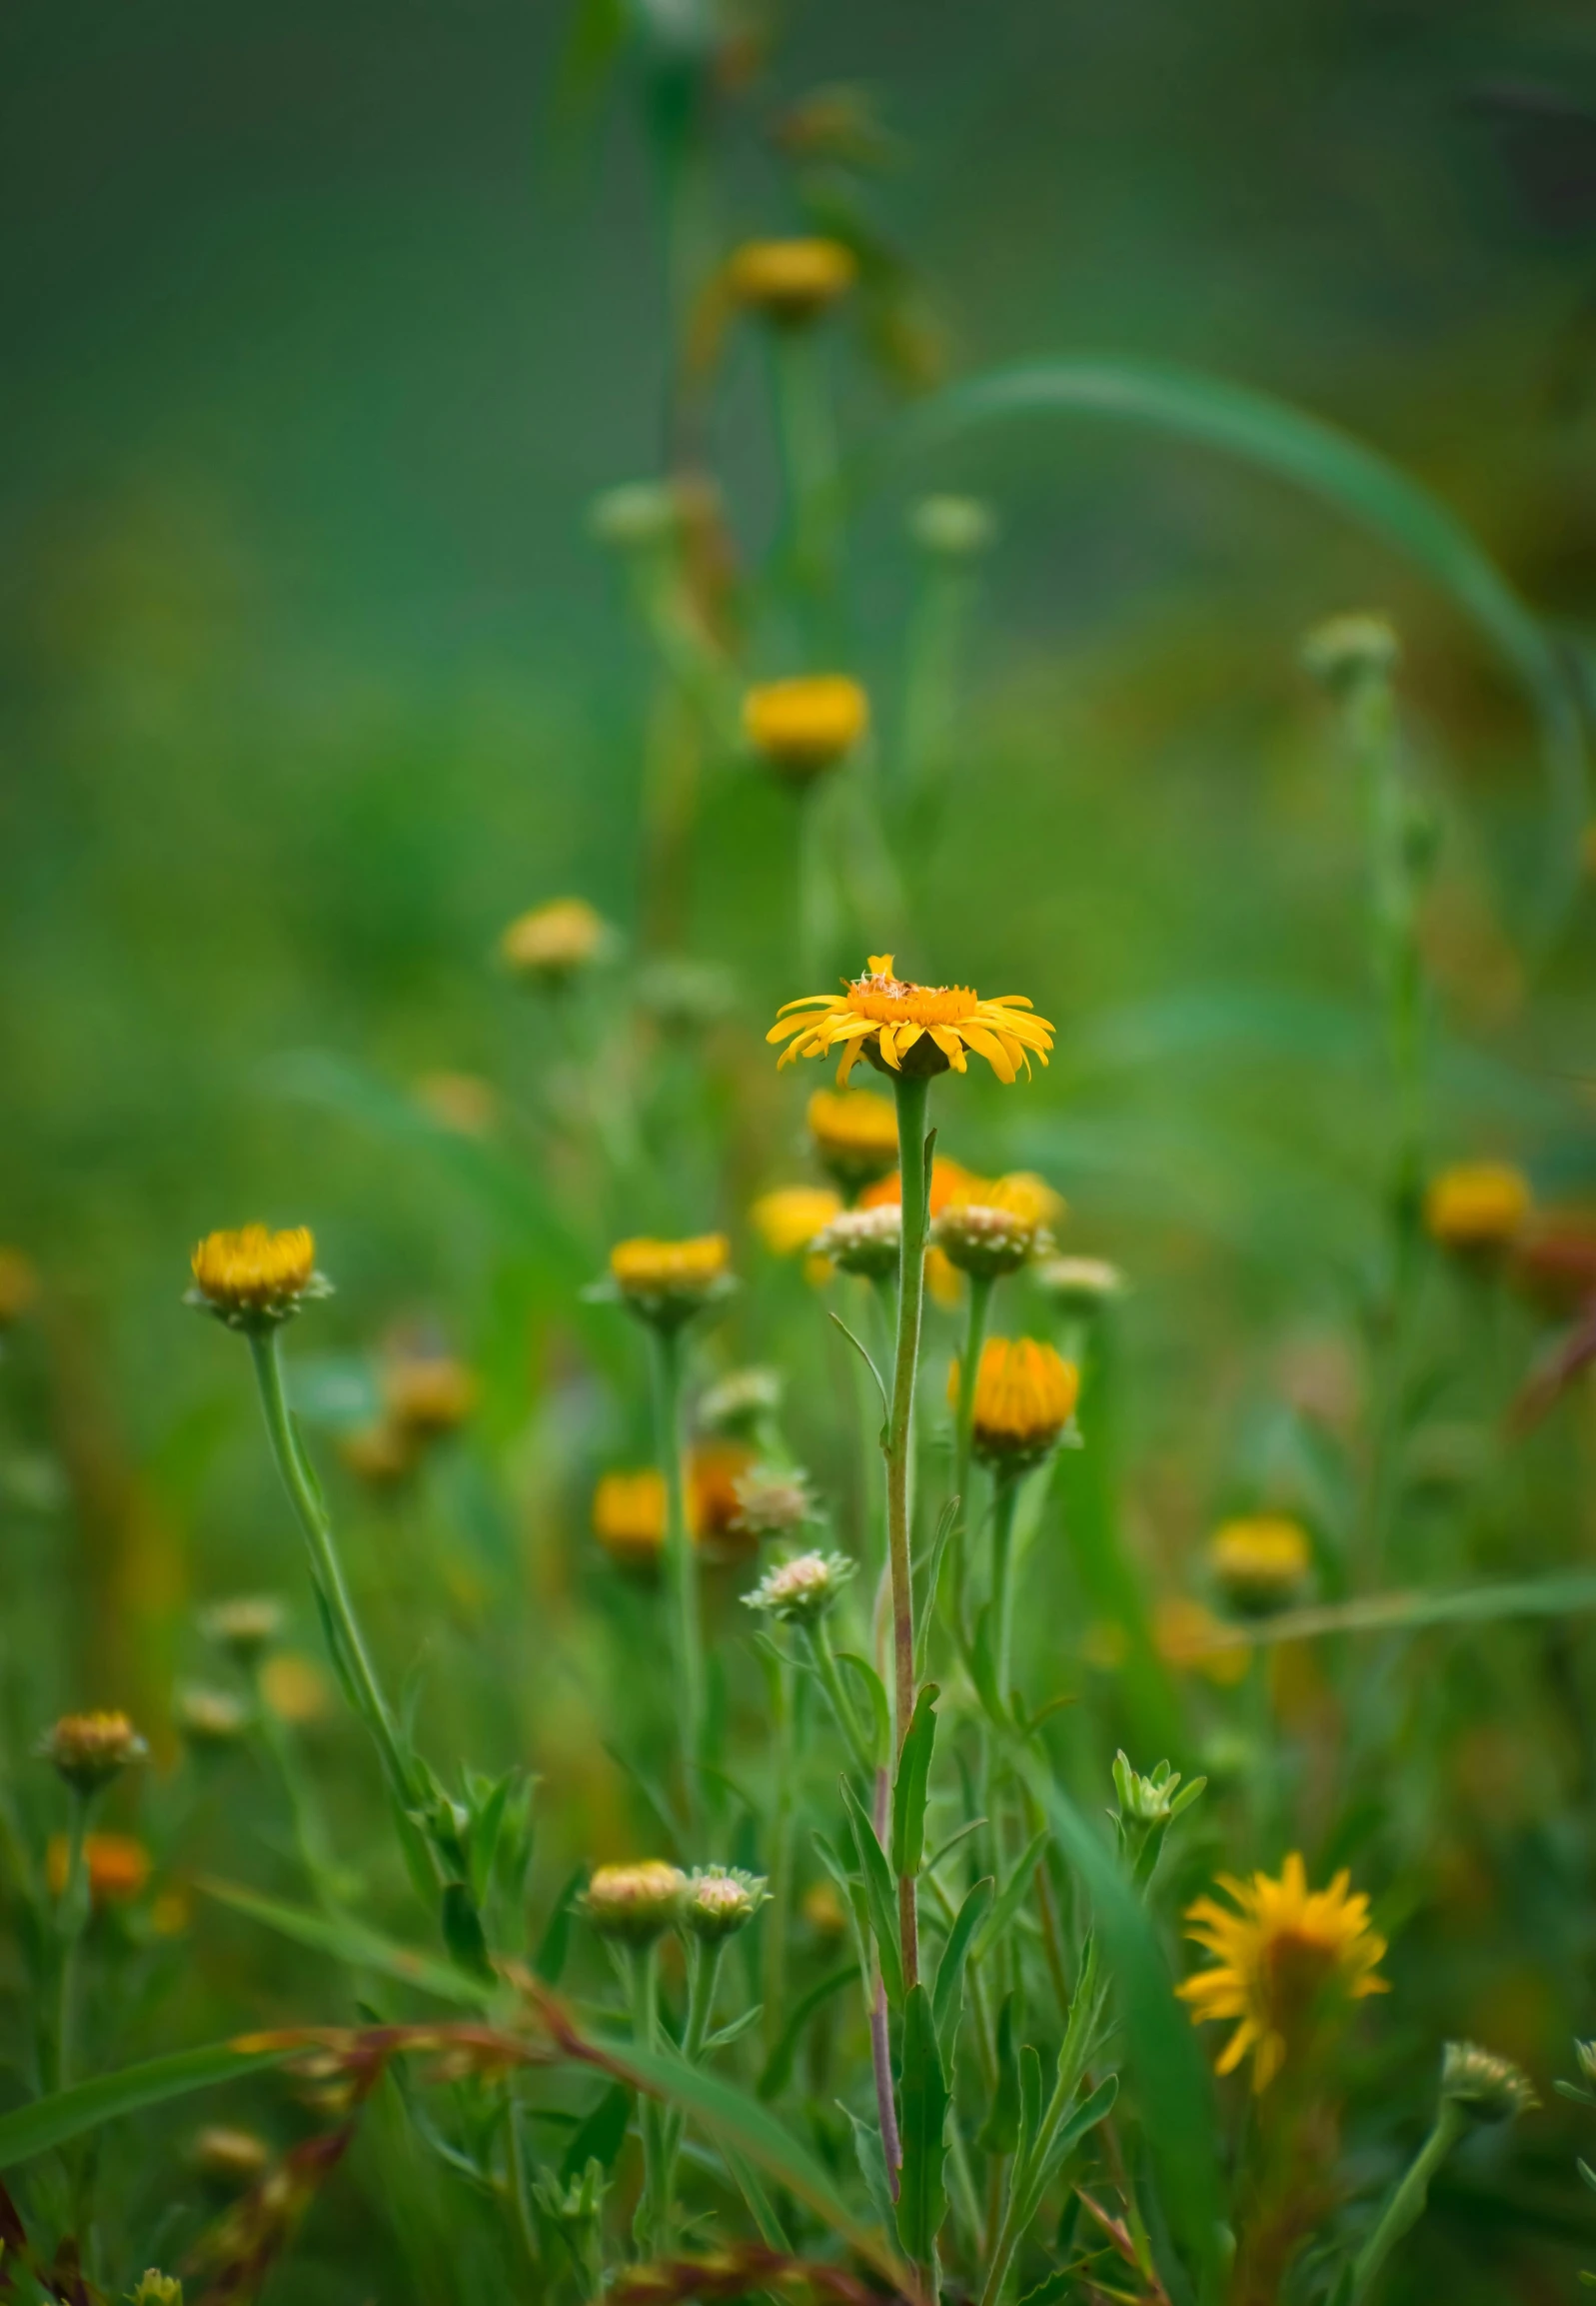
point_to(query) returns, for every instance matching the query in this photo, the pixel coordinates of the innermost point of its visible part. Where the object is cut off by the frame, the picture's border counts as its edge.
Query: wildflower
(788, 1219)
(715, 1500)
(1345, 650)
(462, 1102)
(740, 1402)
(156, 2289)
(802, 1590)
(854, 1134)
(719, 1900)
(295, 1688)
(868, 1242)
(988, 1241)
(634, 1903)
(772, 1501)
(1187, 1635)
(19, 1285)
(1488, 2088)
(628, 1509)
(952, 527)
(381, 1454)
(1476, 1208)
(666, 1282)
(89, 1749)
(1283, 1959)
(246, 1627)
(802, 727)
(118, 1867)
(821, 1908)
(254, 1278)
(1025, 1397)
(228, 2157)
(549, 944)
(1080, 1286)
(1259, 1562)
(428, 1393)
(790, 281)
(925, 1027)
(210, 1718)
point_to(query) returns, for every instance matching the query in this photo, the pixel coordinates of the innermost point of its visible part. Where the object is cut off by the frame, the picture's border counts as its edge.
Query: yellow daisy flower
(803, 726)
(1026, 1394)
(254, 1277)
(921, 1029)
(1283, 1960)
(788, 1219)
(1260, 1563)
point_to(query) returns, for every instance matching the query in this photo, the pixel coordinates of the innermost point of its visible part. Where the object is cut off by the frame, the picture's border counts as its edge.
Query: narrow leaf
(779, 2065)
(947, 1995)
(921, 2192)
(346, 1940)
(912, 1784)
(999, 2133)
(552, 1946)
(53, 2121)
(1015, 1891)
(880, 1892)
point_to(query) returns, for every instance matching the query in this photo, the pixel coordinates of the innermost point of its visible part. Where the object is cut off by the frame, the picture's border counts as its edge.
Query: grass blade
(345, 1940)
(54, 2121)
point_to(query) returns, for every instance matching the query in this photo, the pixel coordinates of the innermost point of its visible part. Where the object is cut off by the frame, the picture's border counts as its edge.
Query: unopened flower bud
(719, 1900)
(739, 1403)
(634, 1903)
(987, 1243)
(1488, 2088)
(1344, 651)
(790, 281)
(549, 944)
(803, 727)
(772, 1500)
(866, 1242)
(246, 1627)
(1259, 1562)
(666, 1282)
(428, 1393)
(89, 1749)
(254, 1279)
(1080, 1286)
(802, 1590)
(1477, 1208)
(1025, 1394)
(208, 1720)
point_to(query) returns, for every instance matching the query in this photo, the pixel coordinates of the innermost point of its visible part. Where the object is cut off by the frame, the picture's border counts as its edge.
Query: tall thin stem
(1406, 2205)
(642, 1963)
(681, 1559)
(1004, 1499)
(880, 2037)
(72, 1916)
(981, 1298)
(326, 1568)
(913, 1094)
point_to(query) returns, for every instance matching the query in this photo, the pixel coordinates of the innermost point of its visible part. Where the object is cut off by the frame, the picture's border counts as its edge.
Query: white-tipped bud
(719, 1900)
(802, 1590)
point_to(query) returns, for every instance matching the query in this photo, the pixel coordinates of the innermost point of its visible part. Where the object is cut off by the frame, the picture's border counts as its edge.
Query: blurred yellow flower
(428, 1393)
(805, 726)
(254, 1274)
(790, 280)
(1477, 1205)
(1188, 1636)
(666, 1282)
(1025, 1394)
(1260, 1561)
(19, 1284)
(628, 1507)
(1283, 1959)
(788, 1219)
(118, 1867)
(923, 1027)
(295, 1687)
(854, 1134)
(381, 1454)
(554, 941)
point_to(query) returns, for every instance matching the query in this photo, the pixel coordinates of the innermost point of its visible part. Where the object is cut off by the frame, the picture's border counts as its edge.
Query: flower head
(19, 1285)
(740, 1402)
(554, 941)
(380, 1454)
(208, 1720)
(628, 1509)
(854, 1134)
(772, 1500)
(790, 281)
(666, 1282)
(428, 1393)
(1259, 1562)
(118, 1867)
(1025, 1397)
(868, 1242)
(1488, 2088)
(1477, 1208)
(803, 727)
(89, 1749)
(921, 1028)
(976, 1237)
(1343, 651)
(788, 1219)
(1080, 1286)
(718, 1900)
(254, 1278)
(1285, 1959)
(634, 1903)
(801, 1590)
(246, 1627)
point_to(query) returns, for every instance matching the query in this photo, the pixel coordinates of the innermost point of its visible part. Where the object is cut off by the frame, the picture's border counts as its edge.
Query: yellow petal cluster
(805, 726)
(254, 1271)
(1477, 1205)
(917, 1028)
(1026, 1394)
(1285, 1957)
(1259, 1562)
(554, 941)
(790, 280)
(854, 1134)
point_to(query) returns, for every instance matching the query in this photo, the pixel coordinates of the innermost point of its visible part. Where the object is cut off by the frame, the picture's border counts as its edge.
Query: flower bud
(1260, 1563)
(803, 1590)
(1080, 1287)
(428, 1393)
(1344, 651)
(89, 1749)
(987, 1243)
(233, 2158)
(666, 1282)
(719, 1900)
(634, 1903)
(952, 527)
(790, 281)
(1488, 2088)
(802, 727)
(854, 1135)
(157, 2290)
(1477, 1208)
(866, 1242)
(254, 1279)
(245, 1627)
(772, 1500)
(208, 1720)
(739, 1403)
(1025, 1394)
(551, 944)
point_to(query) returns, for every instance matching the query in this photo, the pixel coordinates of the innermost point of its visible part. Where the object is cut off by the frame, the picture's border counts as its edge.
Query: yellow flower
(1027, 1196)
(295, 1688)
(788, 1219)
(994, 1229)
(1025, 1397)
(254, 1277)
(118, 1867)
(1477, 1205)
(89, 1749)
(1259, 1562)
(806, 726)
(428, 1393)
(628, 1509)
(19, 1284)
(1187, 1635)
(1283, 1959)
(666, 1282)
(381, 1454)
(923, 1027)
(634, 1902)
(554, 941)
(790, 280)
(854, 1135)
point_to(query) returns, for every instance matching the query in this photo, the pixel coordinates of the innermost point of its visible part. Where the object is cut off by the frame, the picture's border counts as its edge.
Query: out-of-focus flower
(666, 1282)
(1285, 1957)
(986, 1241)
(634, 515)
(1025, 1394)
(228, 2157)
(836, 123)
(1477, 1208)
(865, 1242)
(951, 1184)
(381, 1454)
(683, 996)
(428, 1393)
(553, 942)
(801, 1590)
(634, 1903)
(1345, 650)
(463, 1101)
(208, 1720)
(719, 1900)
(918, 1028)
(803, 727)
(1259, 1562)
(295, 1688)
(821, 1908)
(628, 1507)
(1080, 1287)
(742, 1401)
(118, 1867)
(788, 1219)
(952, 527)
(790, 281)
(157, 2289)
(715, 1476)
(89, 1749)
(254, 1278)
(772, 1500)
(1488, 2088)
(854, 1134)
(246, 1626)
(19, 1285)
(1191, 1637)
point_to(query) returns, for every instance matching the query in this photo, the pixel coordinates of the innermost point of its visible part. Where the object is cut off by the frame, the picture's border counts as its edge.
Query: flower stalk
(1406, 2205)
(981, 1298)
(681, 1561)
(912, 1092)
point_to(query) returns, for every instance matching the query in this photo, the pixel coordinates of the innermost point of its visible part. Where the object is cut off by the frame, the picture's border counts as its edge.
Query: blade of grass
(352, 1942)
(55, 2121)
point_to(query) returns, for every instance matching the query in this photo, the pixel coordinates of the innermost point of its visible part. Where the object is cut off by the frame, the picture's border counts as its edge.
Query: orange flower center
(894, 1000)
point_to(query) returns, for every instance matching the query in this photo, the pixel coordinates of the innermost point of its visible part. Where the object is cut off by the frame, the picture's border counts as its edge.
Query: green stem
(1406, 2205)
(981, 1298)
(778, 1906)
(681, 1559)
(913, 1096)
(820, 1651)
(809, 457)
(1005, 1498)
(72, 1915)
(310, 1841)
(326, 1568)
(643, 1966)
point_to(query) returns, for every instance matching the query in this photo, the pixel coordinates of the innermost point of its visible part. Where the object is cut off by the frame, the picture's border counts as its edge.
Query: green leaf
(1031, 2100)
(1355, 479)
(601, 2136)
(855, 1903)
(1015, 1891)
(346, 1940)
(871, 2157)
(463, 1931)
(983, 1669)
(54, 2121)
(921, 2193)
(482, 1841)
(760, 2208)
(880, 1893)
(999, 2133)
(1087, 2117)
(550, 1959)
(779, 2065)
(881, 1715)
(912, 1784)
(947, 1995)
(864, 1354)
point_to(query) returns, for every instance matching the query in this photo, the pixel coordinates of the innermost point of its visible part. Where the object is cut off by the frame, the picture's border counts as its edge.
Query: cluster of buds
(634, 1904)
(554, 942)
(254, 1279)
(800, 1591)
(666, 1282)
(868, 1241)
(89, 1749)
(1148, 1807)
(1488, 2087)
(1260, 1563)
